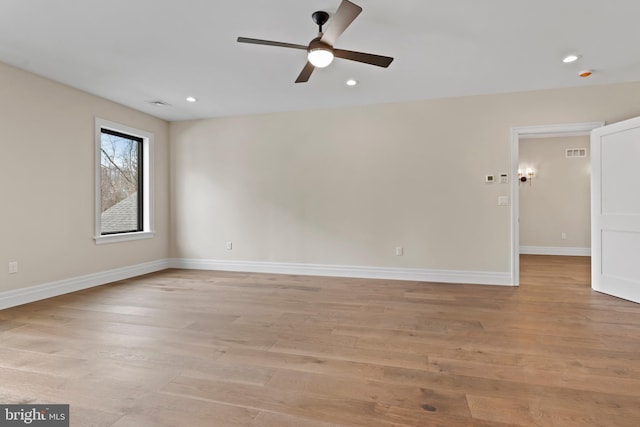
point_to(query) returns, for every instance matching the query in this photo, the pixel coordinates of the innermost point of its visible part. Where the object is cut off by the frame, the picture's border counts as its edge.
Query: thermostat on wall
(488, 179)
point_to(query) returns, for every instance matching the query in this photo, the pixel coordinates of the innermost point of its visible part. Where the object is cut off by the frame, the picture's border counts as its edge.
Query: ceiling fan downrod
(320, 18)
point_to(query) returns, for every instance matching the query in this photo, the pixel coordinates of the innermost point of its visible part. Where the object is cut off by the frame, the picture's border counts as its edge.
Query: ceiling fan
(320, 51)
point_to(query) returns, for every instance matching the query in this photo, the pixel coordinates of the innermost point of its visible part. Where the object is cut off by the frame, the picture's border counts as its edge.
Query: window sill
(124, 237)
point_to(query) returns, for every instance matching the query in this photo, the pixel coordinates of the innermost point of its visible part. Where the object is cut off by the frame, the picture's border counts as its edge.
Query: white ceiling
(136, 51)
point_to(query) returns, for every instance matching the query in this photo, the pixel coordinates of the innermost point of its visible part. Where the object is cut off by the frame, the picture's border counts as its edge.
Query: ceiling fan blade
(367, 58)
(305, 73)
(270, 43)
(344, 16)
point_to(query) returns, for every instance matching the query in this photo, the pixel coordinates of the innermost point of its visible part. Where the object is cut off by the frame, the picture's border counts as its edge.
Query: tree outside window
(120, 183)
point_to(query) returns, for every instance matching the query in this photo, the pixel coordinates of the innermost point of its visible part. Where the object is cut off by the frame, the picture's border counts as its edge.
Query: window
(123, 183)
(120, 190)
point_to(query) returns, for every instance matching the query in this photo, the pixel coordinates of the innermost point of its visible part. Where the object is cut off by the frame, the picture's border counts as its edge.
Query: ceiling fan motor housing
(317, 44)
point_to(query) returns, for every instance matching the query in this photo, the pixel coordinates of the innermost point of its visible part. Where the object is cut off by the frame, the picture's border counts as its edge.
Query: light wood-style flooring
(198, 348)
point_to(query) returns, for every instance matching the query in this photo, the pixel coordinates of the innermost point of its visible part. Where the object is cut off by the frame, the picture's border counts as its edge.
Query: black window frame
(140, 190)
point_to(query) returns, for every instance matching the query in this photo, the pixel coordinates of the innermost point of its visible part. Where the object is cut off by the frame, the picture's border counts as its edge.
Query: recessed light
(351, 82)
(570, 58)
(192, 99)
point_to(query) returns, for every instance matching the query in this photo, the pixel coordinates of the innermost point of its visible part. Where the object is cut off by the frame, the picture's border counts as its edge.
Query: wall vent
(576, 152)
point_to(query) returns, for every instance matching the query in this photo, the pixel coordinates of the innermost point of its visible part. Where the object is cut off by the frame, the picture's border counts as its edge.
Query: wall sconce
(527, 175)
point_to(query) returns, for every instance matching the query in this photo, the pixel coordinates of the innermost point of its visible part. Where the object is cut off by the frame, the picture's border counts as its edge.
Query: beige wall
(47, 182)
(347, 186)
(557, 200)
(343, 186)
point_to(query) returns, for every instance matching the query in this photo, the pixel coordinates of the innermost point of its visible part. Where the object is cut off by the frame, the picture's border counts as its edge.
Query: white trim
(390, 273)
(553, 134)
(557, 130)
(123, 237)
(147, 182)
(60, 287)
(517, 133)
(65, 286)
(554, 250)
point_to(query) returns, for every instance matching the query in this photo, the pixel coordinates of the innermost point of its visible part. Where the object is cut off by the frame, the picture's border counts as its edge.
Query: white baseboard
(52, 289)
(391, 273)
(554, 250)
(39, 292)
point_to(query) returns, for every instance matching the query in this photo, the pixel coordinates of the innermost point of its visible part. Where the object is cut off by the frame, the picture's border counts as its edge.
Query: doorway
(523, 133)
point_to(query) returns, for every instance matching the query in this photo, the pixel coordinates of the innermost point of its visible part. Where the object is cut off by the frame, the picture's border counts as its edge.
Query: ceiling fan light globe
(320, 58)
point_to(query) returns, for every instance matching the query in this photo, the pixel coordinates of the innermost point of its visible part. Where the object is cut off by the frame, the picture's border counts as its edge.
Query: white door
(615, 209)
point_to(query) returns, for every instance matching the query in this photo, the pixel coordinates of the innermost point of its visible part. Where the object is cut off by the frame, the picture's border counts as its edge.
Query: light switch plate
(13, 267)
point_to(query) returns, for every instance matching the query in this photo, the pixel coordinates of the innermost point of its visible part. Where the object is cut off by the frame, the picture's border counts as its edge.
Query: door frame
(528, 132)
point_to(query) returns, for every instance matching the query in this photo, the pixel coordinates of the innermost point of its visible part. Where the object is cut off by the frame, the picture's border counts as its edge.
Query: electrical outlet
(13, 267)
(399, 251)
(229, 246)
(563, 236)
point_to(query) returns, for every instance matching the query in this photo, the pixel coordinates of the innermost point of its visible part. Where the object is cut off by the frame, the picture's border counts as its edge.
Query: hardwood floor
(195, 348)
